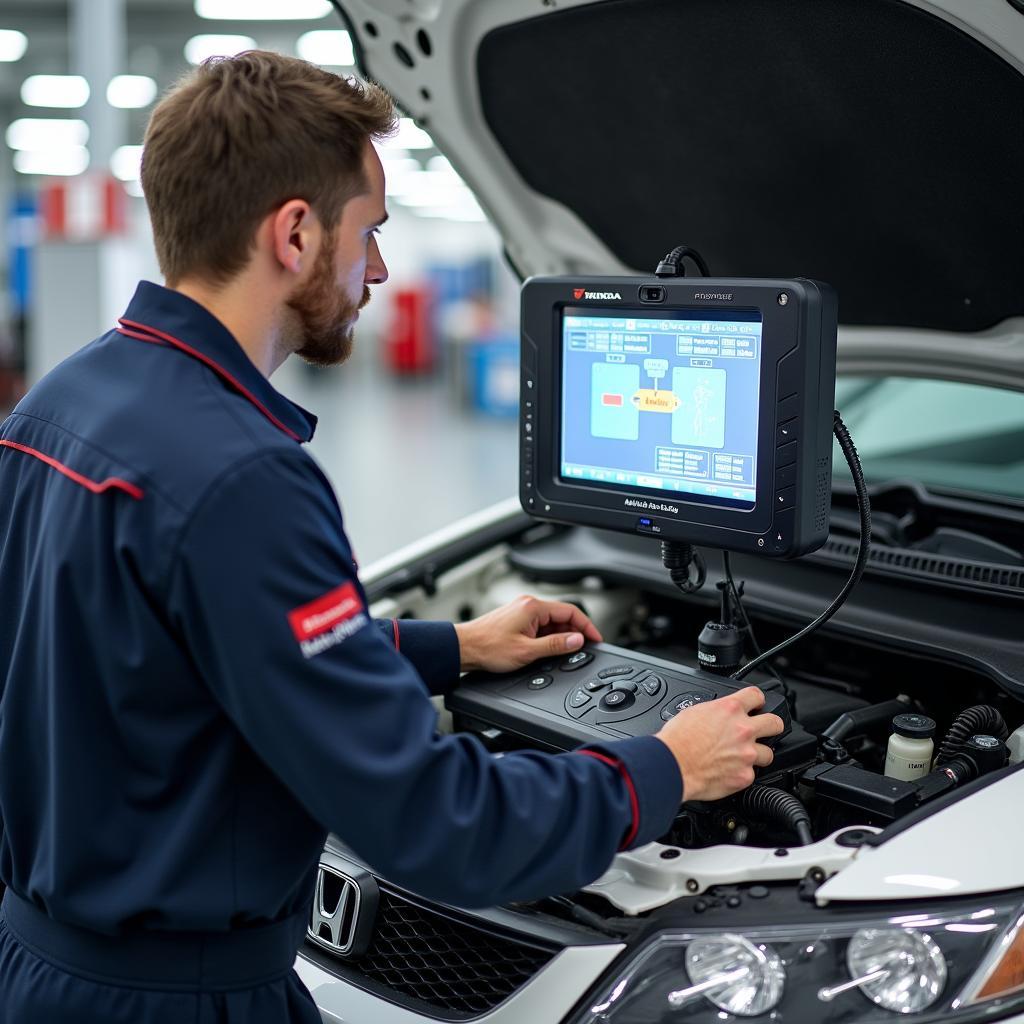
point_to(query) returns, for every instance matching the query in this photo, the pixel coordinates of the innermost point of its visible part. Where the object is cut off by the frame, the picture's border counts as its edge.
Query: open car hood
(874, 144)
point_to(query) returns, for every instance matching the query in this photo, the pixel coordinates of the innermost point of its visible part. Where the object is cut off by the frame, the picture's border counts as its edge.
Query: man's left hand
(523, 631)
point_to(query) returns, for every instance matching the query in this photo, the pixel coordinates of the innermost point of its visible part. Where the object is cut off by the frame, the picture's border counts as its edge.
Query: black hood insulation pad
(866, 143)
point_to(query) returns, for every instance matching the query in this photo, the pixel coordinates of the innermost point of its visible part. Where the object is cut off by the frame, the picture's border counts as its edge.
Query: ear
(295, 233)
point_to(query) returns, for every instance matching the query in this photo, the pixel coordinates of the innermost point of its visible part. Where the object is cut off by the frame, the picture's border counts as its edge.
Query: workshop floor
(404, 459)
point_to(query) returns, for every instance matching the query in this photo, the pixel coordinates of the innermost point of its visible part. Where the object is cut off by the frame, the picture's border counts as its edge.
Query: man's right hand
(715, 744)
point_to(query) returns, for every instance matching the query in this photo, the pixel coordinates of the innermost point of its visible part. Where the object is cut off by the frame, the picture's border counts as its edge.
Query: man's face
(349, 260)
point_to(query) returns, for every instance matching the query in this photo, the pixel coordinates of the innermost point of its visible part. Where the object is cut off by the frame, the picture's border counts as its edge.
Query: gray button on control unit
(577, 660)
(615, 670)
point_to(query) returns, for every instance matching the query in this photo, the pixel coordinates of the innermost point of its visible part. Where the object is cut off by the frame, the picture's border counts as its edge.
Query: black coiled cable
(779, 807)
(685, 565)
(982, 719)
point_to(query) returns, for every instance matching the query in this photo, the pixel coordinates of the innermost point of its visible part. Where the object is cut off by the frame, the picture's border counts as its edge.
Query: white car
(874, 144)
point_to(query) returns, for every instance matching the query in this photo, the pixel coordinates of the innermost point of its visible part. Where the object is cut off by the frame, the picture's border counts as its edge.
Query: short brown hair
(238, 137)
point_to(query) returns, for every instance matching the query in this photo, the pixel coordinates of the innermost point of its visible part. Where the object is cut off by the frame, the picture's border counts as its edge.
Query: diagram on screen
(700, 418)
(695, 401)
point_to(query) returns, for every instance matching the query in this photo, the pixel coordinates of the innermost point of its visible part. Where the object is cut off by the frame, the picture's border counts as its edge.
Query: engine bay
(901, 645)
(838, 697)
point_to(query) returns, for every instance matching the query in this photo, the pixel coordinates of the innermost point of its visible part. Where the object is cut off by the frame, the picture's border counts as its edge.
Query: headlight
(897, 968)
(963, 965)
(734, 974)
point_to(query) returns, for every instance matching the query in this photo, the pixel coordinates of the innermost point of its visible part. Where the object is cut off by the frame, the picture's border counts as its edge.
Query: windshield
(943, 434)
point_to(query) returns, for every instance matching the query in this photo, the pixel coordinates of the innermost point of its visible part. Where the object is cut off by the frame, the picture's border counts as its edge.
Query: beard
(325, 314)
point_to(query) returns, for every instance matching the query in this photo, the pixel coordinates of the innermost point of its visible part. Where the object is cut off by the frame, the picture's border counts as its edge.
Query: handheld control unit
(603, 692)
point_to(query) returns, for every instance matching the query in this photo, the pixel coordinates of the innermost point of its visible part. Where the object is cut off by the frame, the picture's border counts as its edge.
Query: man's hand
(715, 744)
(523, 631)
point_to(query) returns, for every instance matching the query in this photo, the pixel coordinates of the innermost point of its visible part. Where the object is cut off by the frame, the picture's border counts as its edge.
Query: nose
(376, 269)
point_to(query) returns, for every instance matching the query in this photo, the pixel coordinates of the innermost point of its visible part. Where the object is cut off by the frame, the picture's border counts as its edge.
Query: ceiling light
(440, 163)
(131, 92)
(262, 10)
(55, 91)
(46, 133)
(397, 170)
(428, 188)
(469, 214)
(126, 163)
(408, 136)
(12, 44)
(65, 162)
(200, 48)
(326, 47)
(432, 197)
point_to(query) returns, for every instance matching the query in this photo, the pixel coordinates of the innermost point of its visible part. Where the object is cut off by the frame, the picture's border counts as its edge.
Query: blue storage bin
(495, 376)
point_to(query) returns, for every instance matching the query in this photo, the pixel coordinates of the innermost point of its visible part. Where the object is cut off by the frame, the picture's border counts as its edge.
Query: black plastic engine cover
(866, 791)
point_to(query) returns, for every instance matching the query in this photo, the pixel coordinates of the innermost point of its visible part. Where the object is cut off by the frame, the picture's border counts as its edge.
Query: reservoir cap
(918, 727)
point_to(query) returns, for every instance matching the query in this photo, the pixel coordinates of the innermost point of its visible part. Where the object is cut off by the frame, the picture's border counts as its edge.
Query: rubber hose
(981, 719)
(861, 719)
(778, 807)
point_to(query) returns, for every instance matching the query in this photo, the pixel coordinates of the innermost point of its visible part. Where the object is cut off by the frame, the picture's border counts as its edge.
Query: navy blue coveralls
(192, 694)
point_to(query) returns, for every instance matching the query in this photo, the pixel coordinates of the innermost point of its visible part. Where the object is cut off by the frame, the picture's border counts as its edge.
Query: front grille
(422, 954)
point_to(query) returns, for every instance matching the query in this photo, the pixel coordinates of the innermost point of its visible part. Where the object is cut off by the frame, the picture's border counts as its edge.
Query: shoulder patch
(328, 620)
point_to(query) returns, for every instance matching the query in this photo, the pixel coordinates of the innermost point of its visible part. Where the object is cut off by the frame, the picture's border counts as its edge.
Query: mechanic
(193, 692)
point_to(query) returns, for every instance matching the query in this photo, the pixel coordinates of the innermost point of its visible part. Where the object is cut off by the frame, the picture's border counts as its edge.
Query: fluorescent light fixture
(126, 163)
(38, 133)
(200, 48)
(134, 188)
(65, 162)
(429, 188)
(431, 199)
(440, 163)
(396, 163)
(262, 10)
(408, 136)
(67, 91)
(131, 92)
(438, 194)
(326, 47)
(468, 214)
(397, 171)
(12, 44)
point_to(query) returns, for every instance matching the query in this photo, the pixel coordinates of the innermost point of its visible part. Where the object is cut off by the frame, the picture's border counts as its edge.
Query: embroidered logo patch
(328, 620)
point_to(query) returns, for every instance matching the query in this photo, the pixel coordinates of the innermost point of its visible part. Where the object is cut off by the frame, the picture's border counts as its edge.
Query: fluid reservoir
(911, 747)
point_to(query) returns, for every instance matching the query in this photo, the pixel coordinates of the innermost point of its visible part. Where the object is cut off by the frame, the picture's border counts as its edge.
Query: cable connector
(671, 264)
(720, 644)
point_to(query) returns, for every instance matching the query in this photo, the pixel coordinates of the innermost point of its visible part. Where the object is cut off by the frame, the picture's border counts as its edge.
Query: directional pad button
(615, 670)
(652, 684)
(617, 700)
